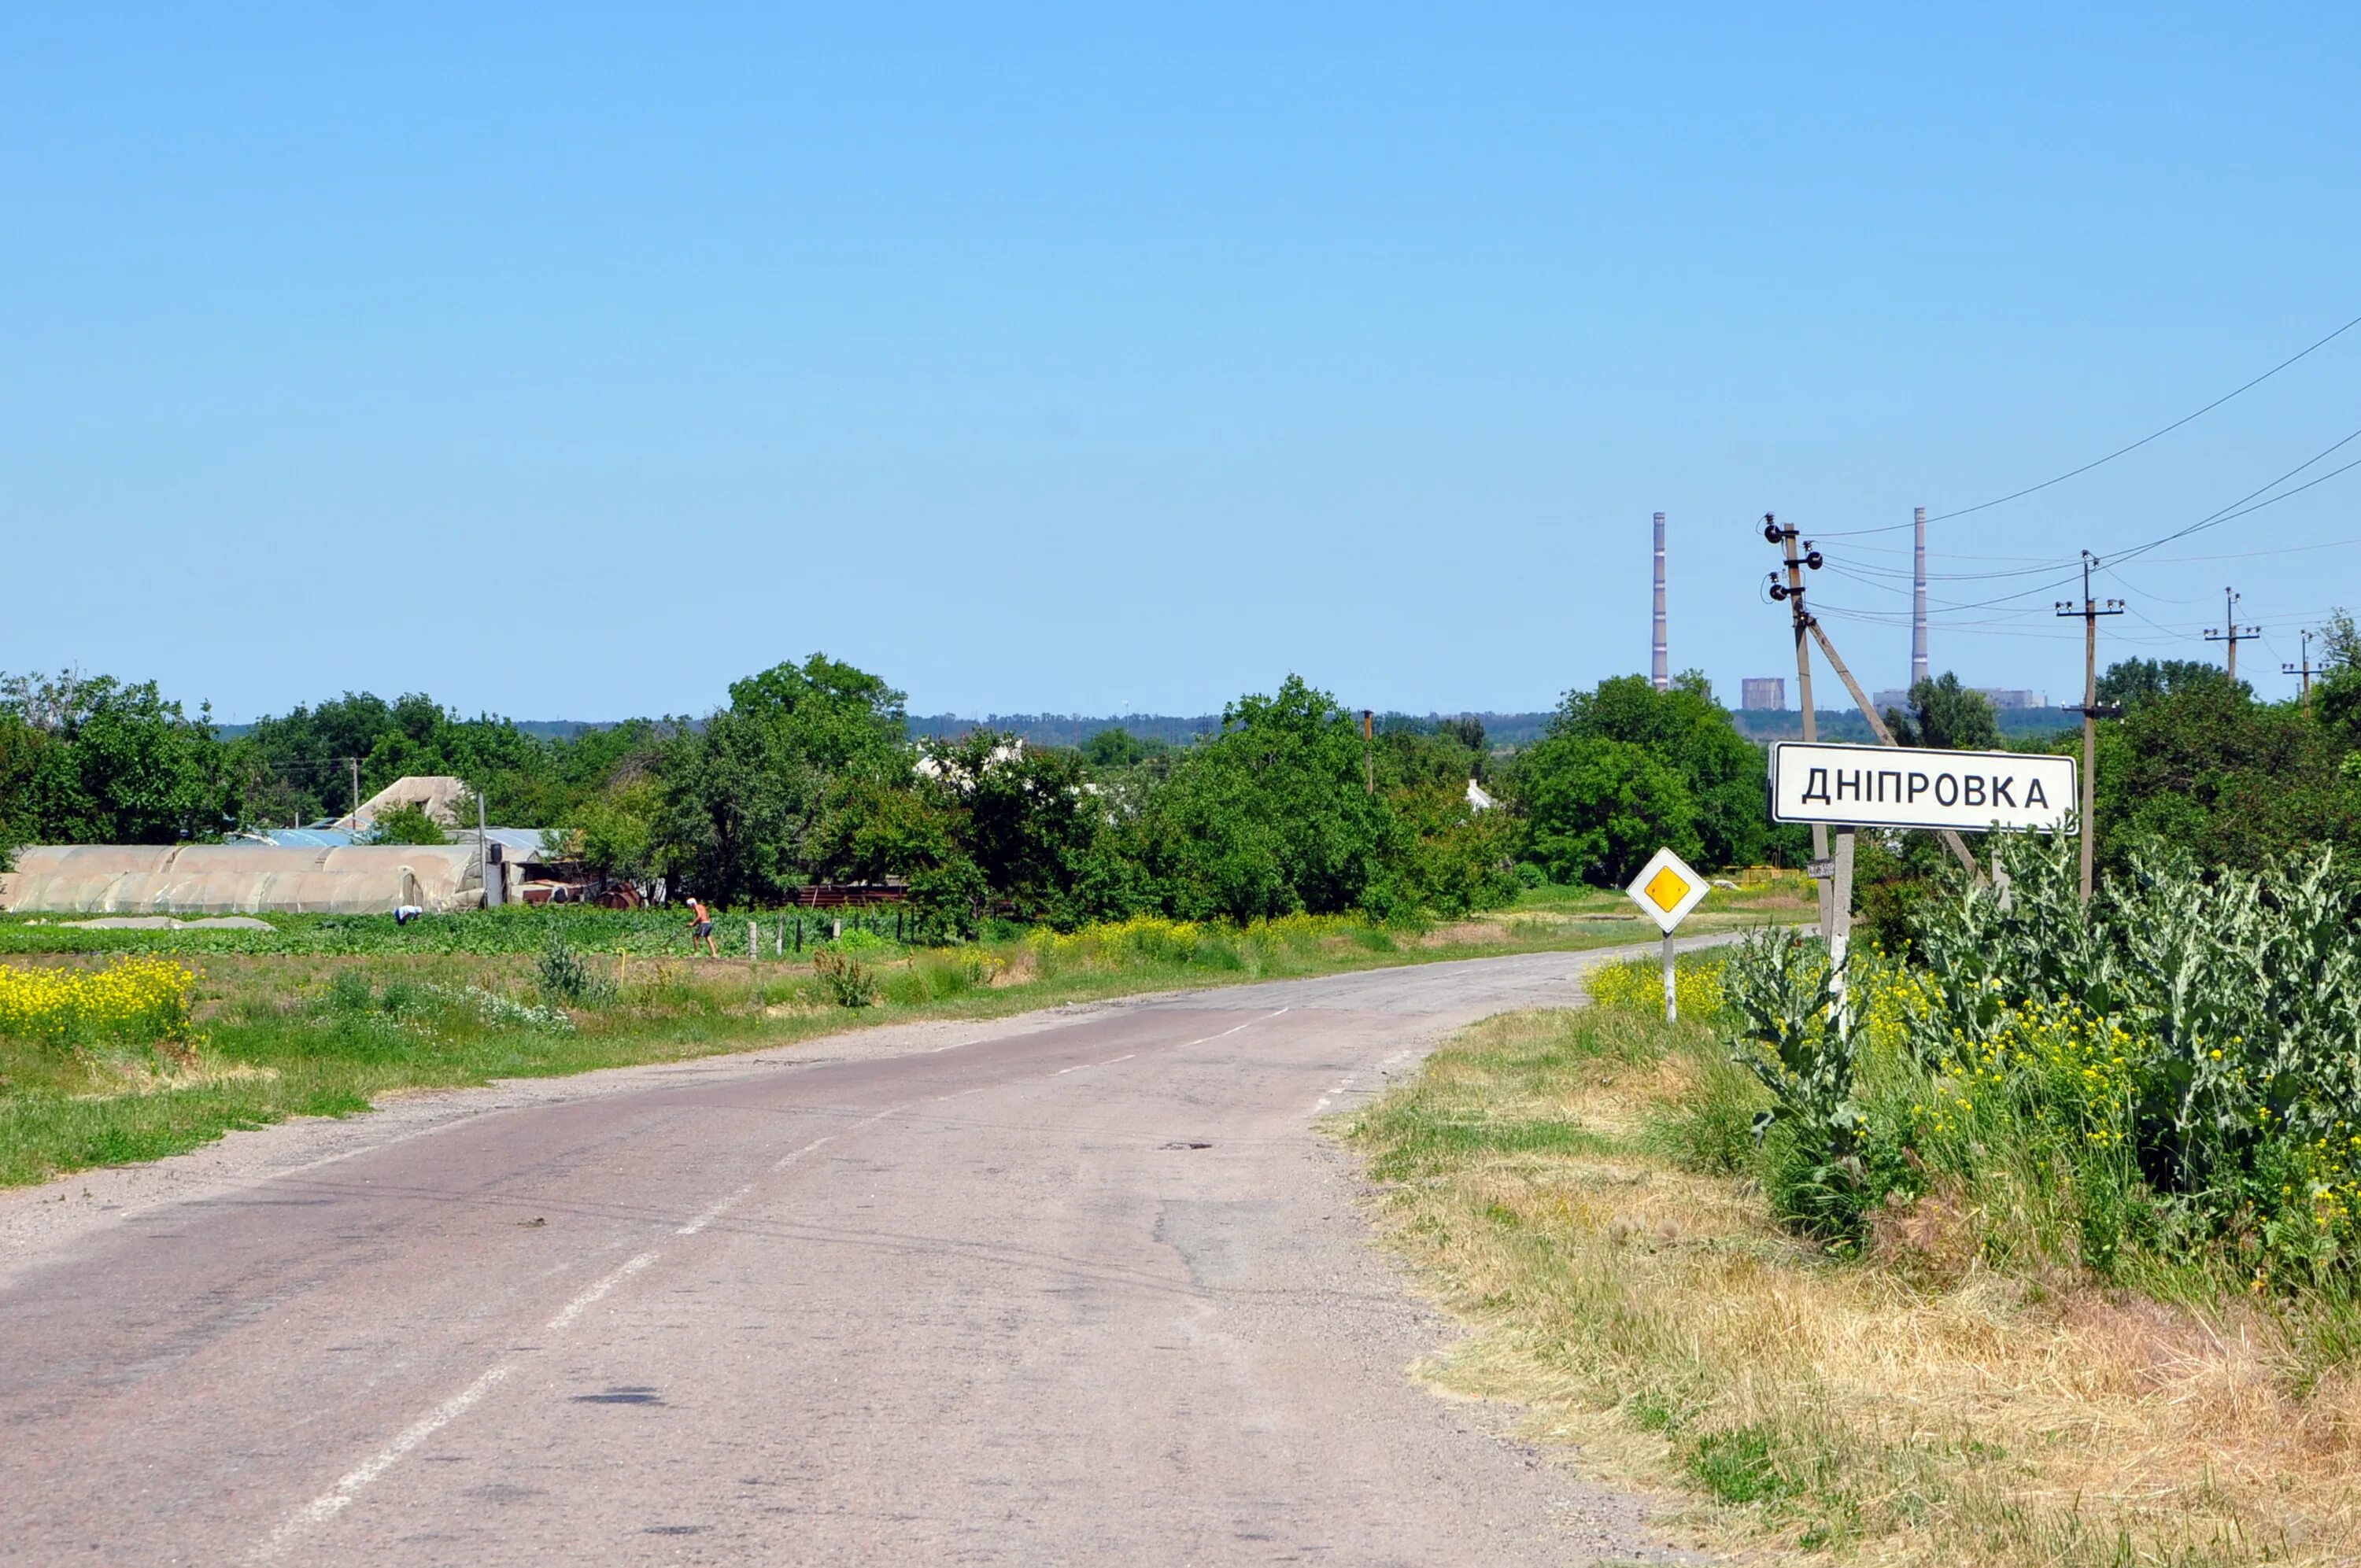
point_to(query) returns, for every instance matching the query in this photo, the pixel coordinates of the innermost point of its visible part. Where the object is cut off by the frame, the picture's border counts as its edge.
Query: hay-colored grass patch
(1876, 1411)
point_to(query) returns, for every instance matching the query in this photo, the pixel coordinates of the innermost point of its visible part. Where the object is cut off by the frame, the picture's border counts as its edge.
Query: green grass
(325, 1015)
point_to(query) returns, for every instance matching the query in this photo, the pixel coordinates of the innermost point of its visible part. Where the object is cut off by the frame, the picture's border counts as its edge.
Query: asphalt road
(1086, 1287)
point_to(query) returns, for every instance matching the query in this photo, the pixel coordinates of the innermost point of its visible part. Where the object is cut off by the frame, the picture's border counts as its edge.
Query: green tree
(1595, 808)
(2130, 682)
(1723, 774)
(2207, 769)
(99, 761)
(1026, 817)
(744, 798)
(1272, 816)
(1111, 749)
(1946, 715)
(405, 825)
(297, 766)
(613, 832)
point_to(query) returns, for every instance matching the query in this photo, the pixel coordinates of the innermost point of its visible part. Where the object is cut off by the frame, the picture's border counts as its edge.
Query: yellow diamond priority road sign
(1666, 889)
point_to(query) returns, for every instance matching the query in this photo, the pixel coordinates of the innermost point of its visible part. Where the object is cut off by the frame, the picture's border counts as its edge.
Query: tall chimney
(1659, 668)
(1918, 600)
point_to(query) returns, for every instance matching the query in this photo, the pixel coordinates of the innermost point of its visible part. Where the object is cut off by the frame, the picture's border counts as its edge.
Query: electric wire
(2120, 451)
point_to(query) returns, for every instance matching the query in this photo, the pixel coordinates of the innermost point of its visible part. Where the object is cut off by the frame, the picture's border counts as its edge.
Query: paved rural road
(1084, 1287)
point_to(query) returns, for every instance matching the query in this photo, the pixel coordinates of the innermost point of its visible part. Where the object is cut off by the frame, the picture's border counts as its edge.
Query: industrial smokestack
(1660, 670)
(1918, 600)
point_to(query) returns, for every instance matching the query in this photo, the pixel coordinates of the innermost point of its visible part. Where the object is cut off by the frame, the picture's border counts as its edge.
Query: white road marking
(1183, 1046)
(574, 1309)
(330, 1503)
(336, 1499)
(715, 1213)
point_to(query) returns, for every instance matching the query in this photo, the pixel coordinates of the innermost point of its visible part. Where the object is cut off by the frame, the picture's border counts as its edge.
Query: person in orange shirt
(702, 930)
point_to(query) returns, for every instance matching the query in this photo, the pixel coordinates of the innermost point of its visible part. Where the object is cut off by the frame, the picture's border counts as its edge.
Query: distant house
(437, 794)
(1476, 799)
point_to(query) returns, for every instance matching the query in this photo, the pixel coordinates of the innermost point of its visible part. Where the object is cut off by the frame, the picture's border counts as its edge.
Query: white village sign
(1889, 786)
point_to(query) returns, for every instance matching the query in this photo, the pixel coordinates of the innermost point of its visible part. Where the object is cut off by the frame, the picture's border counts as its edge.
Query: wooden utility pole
(1370, 750)
(1951, 840)
(1792, 590)
(2090, 611)
(2305, 669)
(2230, 632)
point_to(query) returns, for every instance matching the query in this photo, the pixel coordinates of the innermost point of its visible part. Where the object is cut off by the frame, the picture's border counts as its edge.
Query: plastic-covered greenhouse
(242, 879)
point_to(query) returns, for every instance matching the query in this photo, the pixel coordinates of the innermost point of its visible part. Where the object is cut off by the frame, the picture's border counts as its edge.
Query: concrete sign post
(1888, 787)
(1667, 890)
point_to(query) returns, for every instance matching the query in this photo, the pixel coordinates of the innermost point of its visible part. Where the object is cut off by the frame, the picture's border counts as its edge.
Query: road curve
(1086, 1287)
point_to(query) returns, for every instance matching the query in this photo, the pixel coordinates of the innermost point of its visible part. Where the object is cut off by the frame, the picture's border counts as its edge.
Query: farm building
(439, 795)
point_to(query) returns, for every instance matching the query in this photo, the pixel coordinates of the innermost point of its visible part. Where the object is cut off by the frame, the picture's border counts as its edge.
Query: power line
(2239, 508)
(2143, 440)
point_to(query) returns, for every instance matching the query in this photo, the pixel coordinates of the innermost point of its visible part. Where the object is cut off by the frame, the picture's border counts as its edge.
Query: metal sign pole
(1672, 995)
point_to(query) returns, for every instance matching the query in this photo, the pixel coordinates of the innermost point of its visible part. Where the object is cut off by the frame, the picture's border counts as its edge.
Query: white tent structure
(243, 879)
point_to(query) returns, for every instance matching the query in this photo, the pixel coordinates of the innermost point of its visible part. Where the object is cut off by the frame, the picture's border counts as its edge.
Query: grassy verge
(1579, 1187)
(327, 1033)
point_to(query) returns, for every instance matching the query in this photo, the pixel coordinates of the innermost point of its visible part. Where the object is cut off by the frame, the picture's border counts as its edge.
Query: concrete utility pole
(1918, 599)
(355, 762)
(2091, 712)
(1792, 590)
(2230, 632)
(2306, 671)
(489, 874)
(1660, 664)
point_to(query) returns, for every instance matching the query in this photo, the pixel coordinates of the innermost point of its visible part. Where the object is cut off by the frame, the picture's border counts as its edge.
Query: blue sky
(572, 361)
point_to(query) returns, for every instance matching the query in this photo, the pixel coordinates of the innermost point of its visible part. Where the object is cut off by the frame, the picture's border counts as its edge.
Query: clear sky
(570, 361)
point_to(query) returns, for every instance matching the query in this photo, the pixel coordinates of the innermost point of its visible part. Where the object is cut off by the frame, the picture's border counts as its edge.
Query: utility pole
(2090, 611)
(2230, 632)
(1660, 667)
(1918, 596)
(1369, 750)
(2305, 669)
(491, 874)
(1792, 590)
(356, 764)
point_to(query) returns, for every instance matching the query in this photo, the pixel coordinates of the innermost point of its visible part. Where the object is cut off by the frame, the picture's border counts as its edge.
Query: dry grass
(1915, 1408)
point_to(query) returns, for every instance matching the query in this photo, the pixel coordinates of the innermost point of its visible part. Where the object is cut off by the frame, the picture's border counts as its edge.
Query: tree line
(809, 774)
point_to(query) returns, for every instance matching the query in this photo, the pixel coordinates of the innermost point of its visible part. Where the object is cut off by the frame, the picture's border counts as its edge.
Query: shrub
(568, 979)
(848, 982)
(2168, 1070)
(1791, 1032)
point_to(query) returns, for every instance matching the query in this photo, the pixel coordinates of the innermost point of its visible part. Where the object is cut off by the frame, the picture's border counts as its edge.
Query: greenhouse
(242, 879)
